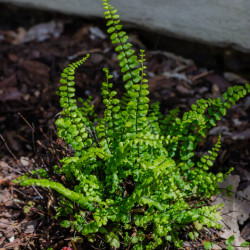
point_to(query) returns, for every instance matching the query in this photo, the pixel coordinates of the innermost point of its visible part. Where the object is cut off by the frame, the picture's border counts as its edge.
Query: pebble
(183, 90)
(215, 90)
(11, 239)
(202, 90)
(25, 161)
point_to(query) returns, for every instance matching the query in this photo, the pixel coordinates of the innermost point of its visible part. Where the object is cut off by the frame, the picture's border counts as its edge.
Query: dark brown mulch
(31, 63)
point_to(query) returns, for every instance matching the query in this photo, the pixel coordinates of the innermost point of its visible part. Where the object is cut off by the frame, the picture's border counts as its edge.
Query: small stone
(232, 77)
(26, 97)
(29, 227)
(215, 90)
(25, 161)
(247, 103)
(37, 93)
(218, 130)
(96, 32)
(11, 239)
(237, 122)
(202, 90)
(183, 90)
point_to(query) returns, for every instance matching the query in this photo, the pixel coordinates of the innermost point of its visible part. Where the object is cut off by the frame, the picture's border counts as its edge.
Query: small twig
(7, 147)
(41, 130)
(181, 59)
(84, 52)
(25, 195)
(25, 121)
(95, 135)
(228, 227)
(13, 169)
(33, 138)
(203, 74)
(32, 130)
(37, 192)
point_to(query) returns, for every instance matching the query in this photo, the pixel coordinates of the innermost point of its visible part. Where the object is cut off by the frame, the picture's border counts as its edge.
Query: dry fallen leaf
(29, 227)
(43, 31)
(10, 94)
(236, 208)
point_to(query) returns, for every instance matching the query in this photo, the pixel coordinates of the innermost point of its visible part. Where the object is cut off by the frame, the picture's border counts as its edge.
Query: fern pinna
(138, 181)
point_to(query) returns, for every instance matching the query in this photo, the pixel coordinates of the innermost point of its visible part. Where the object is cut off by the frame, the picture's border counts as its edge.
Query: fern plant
(137, 179)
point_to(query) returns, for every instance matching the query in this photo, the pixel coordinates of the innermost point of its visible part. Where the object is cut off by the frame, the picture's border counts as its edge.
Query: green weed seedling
(229, 243)
(137, 179)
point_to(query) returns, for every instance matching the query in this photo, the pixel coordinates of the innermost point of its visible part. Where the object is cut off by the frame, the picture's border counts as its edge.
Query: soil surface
(34, 49)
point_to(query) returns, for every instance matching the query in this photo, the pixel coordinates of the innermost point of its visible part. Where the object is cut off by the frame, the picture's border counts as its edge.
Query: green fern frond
(74, 126)
(84, 201)
(207, 160)
(133, 76)
(109, 127)
(128, 61)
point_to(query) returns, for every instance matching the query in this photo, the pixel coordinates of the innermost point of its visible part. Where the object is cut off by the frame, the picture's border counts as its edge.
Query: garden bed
(33, 54)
